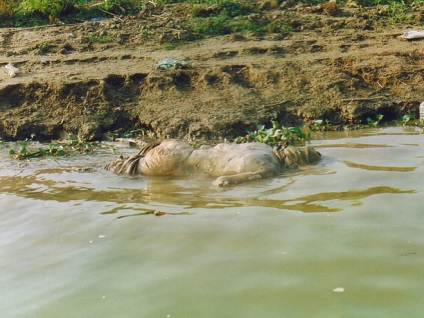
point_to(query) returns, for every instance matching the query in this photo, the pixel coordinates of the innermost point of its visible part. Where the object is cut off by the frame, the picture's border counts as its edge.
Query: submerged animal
(229, 163)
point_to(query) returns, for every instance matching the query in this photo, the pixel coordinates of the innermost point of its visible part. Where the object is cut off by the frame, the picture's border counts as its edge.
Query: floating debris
(339, 290)
(154, 212)
(97, 19)
(169, 64)
(11, 70)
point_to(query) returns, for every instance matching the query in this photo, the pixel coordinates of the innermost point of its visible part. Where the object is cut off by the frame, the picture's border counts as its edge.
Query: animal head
(292, 157)
(131, 165)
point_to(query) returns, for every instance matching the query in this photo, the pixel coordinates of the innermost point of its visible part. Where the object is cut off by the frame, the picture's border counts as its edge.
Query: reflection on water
(72, 244)
(377, 168)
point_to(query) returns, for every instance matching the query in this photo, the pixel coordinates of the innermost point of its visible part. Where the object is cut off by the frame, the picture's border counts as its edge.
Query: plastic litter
(97, 19)
(169, 64)
(11, 70)
(413, 35)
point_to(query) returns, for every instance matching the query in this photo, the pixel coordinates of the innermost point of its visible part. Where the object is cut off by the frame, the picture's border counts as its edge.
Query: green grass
(221, 18)
(101, 37)
(208, 2)
(229, 16)
(41, 12)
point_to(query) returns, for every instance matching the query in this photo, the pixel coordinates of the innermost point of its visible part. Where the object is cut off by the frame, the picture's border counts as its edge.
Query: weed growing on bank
(54, 149)
(276, 134)
(41, 12)
(209, 17)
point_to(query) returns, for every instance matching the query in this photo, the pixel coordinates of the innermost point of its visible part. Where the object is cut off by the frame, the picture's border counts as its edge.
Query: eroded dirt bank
(341, 68)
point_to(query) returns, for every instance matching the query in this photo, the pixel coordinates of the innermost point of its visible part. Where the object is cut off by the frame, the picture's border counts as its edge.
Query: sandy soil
(342, 67)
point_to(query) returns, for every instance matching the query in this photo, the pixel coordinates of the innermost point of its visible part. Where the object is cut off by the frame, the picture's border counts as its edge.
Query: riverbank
(97, 77)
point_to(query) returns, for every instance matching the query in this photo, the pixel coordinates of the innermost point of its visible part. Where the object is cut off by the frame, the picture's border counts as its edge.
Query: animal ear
(293, 157)
(312, 154)
(147, 147)
(279, 152)
(281, 145)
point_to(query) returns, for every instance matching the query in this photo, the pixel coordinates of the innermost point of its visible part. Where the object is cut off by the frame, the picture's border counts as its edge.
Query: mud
(93, 78)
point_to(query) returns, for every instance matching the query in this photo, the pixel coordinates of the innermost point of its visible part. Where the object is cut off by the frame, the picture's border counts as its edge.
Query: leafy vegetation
(228, 17)
(404, 120)
(210, 17)
(371, 3)
(54, 149)
(39, 12)
(275, 134)
(44, 47)
(101, 37)
(49, 8)
(374, 123)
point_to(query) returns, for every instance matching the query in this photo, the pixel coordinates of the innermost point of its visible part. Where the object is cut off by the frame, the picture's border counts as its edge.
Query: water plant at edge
(404, 120)
(274, 135)
(374, 123)
(54, 149)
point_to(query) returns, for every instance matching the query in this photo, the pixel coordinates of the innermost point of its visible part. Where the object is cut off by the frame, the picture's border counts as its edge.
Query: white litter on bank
(11, 70)
(413, 35)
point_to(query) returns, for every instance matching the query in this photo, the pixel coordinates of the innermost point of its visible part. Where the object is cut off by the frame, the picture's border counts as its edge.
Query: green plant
(274, 135)
(40, 12)
(24, 153)
(121, 6)
(374, 123)
(49, 8)
(398, 12)
(44, 48)
(190, 1)
(7, 8)
(101, 37)
(170, 46)
(216, 25)
(54, 149)
(404, 120)
(320, 124)
(233, 9)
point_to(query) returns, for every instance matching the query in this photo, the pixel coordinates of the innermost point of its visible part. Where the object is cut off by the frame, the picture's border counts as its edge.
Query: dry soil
(93, 78)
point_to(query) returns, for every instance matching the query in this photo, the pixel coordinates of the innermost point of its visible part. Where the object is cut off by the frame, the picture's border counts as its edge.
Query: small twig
(159, 16)
(360, 99)
(279, 103)
(154, 212)
(112, 14)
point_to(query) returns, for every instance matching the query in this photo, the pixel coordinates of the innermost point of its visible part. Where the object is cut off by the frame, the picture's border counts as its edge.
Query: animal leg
(225, 181)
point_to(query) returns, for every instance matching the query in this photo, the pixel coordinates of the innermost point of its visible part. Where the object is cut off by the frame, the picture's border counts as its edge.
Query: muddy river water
(344, 238)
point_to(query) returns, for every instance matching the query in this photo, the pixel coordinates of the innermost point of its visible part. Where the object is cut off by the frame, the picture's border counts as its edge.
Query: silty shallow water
(340, 239)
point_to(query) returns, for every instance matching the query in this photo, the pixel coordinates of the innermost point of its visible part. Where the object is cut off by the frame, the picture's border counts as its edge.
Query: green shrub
(48, 8)
(44, 47)
(121, 6)
(218, 25)
(229, 8)
(190, 1)
(6, 8)
(233, 9)
(101, 37)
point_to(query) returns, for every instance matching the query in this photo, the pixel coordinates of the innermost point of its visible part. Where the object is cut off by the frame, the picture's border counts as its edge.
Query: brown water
(340, 239)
